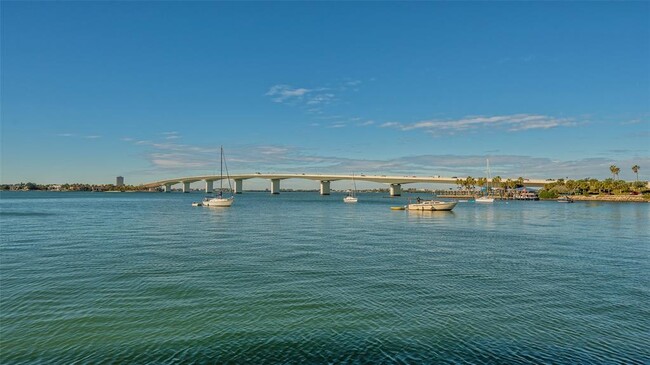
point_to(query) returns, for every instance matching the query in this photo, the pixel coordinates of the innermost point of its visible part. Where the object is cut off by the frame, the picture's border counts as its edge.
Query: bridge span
(395, 182)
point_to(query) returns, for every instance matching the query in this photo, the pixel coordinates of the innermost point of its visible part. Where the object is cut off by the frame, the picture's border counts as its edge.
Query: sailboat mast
(221, 179)
(487, 183)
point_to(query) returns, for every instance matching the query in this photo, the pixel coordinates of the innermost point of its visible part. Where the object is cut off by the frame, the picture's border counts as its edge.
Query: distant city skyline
(150, 90)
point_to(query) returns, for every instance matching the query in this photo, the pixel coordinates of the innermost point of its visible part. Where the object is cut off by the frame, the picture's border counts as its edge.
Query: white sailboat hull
(350, 199)
(218, 202)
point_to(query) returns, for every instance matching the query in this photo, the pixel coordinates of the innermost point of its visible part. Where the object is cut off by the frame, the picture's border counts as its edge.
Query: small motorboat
(431, 205)
(197, 204)
(398, 208)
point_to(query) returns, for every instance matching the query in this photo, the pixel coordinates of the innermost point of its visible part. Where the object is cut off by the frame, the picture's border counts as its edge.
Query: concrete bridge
(395, 182)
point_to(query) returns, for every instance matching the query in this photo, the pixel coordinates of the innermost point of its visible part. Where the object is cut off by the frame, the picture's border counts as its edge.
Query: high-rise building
(119, 181)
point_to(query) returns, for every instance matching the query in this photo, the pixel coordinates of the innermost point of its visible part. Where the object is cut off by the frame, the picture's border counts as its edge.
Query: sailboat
(487, 198)
(220, 200)
(352, 195)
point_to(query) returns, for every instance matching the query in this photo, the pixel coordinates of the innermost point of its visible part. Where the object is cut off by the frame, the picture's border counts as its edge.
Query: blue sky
(149, 90)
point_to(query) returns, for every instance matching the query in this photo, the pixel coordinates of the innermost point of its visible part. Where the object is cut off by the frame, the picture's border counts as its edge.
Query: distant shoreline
(611, 198)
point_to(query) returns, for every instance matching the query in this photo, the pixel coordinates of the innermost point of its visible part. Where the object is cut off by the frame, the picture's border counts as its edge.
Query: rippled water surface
(304, 278)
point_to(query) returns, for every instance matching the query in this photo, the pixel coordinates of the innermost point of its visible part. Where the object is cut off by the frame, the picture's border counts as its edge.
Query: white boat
(484, 199)
(431, 205)
(352, 196)
(487, 198)
(220, 200)
(564, 199)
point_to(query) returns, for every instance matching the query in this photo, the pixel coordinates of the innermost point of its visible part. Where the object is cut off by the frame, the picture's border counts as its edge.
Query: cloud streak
(287, 93)
(73, 135)
(511, 123)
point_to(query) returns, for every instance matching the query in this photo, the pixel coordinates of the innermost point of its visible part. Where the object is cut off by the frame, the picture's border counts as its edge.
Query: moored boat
(564, 199)
(431, 205)
(352, 194)
(484, 199)
(220, 200)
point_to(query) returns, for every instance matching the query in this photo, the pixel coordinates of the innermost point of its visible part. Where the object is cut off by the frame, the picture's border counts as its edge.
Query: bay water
(147, 278)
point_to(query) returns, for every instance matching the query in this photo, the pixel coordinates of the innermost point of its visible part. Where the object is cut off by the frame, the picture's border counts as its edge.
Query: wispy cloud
(318, 99)
(311, 97)
(390, 125)
(73, 135)
(287, 93)
(512, 123)
(171, 135)
(635, 121)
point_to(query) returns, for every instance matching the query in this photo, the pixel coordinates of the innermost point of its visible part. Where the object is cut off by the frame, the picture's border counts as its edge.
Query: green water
(302, 278)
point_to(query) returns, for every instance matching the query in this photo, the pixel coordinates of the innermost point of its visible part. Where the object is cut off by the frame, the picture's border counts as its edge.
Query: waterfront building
(119, 181)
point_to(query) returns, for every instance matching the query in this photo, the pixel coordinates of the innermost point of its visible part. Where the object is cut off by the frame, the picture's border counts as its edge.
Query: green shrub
(548, 194)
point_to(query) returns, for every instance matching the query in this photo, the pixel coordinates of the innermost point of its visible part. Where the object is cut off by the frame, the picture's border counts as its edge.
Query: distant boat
(527, 195)
(220, 200)
(352, 195)
(484, 199)
(431, 205)
(564, 199)
(487, 198)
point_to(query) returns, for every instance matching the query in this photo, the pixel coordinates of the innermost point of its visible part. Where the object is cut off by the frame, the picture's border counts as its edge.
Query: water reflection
(429, 214)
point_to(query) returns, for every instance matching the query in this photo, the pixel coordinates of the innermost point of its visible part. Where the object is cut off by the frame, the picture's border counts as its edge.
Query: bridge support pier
(167, 188)
(186, 186)
(239, 186)
(275, 186)
(324, 188)
(395, 189)
(209, 186)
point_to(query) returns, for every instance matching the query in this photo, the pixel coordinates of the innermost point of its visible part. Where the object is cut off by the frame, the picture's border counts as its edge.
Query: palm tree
(614, 170)
(520, 181)
(507, 185)
(481, 181)
(635, 169)
(496, 181)
(470, 182)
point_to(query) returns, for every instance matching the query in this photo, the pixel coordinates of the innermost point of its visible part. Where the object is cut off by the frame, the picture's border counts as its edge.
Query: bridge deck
(335, 177)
